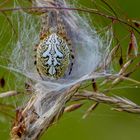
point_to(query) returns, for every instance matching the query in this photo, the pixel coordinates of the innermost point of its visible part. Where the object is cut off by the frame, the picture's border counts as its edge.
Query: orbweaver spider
(54, 55)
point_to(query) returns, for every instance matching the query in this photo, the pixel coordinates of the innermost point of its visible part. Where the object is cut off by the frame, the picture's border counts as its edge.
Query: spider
(54, 55)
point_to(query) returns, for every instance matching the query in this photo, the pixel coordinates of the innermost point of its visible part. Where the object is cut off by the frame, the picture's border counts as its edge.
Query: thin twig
(88, 10)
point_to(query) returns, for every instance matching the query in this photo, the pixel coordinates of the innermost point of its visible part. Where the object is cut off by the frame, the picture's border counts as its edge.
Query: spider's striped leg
(44, 26)
(39, 72)
(35, 50)
(72, 60)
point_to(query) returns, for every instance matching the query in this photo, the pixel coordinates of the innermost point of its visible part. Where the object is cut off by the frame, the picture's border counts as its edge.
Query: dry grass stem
(119, 103)
(90, 109)
(30, 125)
(8, 94)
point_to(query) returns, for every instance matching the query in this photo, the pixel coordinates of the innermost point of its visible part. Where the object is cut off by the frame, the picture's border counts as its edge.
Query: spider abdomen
(53, 56)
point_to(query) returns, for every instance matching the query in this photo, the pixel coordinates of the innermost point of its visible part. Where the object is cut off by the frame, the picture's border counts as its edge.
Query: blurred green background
(103, 123)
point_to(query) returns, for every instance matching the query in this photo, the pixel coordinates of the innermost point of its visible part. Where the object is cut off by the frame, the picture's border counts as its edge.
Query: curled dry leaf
(73, 107)
(133, 46)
